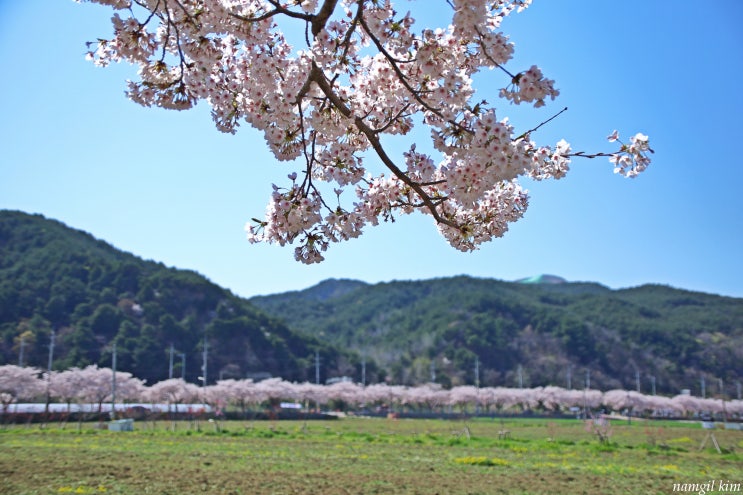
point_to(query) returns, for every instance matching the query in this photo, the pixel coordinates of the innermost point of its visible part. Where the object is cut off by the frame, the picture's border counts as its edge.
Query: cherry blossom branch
(403, 79)
(347, 39)
(583, 154)
(485, 52)
(318, 76)
(278, 9)
(153, 12)
(425, 198)
(398, 115)
(331, 103)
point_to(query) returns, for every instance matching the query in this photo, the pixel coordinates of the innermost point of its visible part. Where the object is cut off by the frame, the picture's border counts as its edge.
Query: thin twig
(524, 134)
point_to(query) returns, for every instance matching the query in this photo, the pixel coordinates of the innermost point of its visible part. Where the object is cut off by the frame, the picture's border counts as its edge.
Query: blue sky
(168, 186)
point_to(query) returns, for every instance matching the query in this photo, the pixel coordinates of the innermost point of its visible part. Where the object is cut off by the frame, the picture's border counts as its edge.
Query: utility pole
(183, 366)
(49, 374)
(51, 353)
(737, 386)
(433, 372)
(585, 399)
(477, 372)
(637, 380)
(20, 352)
(113, 387)
(203, 359)
(570, 377)
(477, 385)
(317, 367)
(204, 376)
(521, 376)
(704, 388)
(652, 383)
(170, 366)
(363, 371)
(720, 387)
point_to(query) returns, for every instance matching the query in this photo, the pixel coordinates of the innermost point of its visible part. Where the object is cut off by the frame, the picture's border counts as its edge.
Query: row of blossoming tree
(357, 73)
(94, 386)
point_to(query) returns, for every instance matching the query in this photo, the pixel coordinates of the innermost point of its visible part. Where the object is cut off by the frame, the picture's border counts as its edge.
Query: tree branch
(278, 9)
(524, 134)
(321, 18)
(489, 57)
(404, 80)
(583, 154)
(318, 77)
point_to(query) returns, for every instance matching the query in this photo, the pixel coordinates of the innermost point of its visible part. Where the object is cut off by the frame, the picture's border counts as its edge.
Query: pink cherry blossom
(17, 383)
(363, 72)
(174, 391)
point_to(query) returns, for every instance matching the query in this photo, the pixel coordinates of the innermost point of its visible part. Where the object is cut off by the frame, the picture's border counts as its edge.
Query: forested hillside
(453, 331)
(91, 295)
(458, 330)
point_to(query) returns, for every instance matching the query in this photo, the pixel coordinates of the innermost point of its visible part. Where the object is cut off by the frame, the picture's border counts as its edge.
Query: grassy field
(368, 456)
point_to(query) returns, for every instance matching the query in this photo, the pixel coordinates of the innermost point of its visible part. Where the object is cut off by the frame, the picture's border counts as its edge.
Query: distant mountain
(537, 331)
(324, 291)
(543, 279)
(54, 278)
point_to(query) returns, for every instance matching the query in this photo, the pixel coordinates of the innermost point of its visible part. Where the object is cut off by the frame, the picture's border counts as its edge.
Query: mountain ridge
(56, 278)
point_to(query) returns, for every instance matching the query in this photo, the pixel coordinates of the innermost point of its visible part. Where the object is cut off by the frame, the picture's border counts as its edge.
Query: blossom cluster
(631, 159)
(363, 73)
(530, 86)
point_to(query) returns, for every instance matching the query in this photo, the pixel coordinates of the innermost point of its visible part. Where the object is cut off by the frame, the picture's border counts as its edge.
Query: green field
(367, 456)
